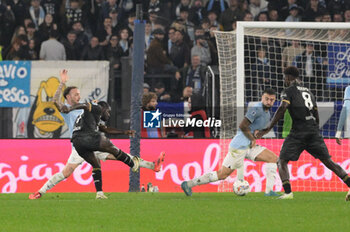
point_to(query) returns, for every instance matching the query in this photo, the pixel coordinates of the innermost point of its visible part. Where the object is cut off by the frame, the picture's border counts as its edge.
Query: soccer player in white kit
(344, 117)
(72, 96)
(242, 146)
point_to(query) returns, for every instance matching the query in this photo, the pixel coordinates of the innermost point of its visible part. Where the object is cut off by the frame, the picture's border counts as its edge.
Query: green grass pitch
(174, 212)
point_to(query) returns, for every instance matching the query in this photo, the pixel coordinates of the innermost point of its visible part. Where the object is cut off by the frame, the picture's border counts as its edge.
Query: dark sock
(346, 180)
(97, 175)
(286, 186)
(122, 156)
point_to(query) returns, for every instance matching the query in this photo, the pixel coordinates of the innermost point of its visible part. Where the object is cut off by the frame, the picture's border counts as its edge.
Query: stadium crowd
(179, 35)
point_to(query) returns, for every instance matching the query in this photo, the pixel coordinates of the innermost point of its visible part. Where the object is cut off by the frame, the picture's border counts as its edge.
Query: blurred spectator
(7, 24)
(202, 50)
(124, 41)
(188, 26)
(146, 88)
(114, 52)
(162, 95)
(14, 53)
(197, 12)
(273, 15)
(45, 28)
(338, 17)
(182, 5)
(106, 7)
(149, 102)
(313, 69)
(326, 17)
(233, 13)
(116, 23)
(19, 9)
(213, 20)
(218, 6)
(282, 6)
(186, 94)
(157, 60)
(51, 49)
(257, 6)
(180, 52)
(148, 35)
(32, 50)
(248, 16)
(72, 14)
(31, 33)
(262, 16)
(289, 53)
(71, 48)
(93, 10)
(104, 33)
(193, 76)
(312, 10)
(347, 15)
(82, 38)
(131, 24)
(52, 7)
(154, 6)
(262, 70)
(20, 30)
(171, 40)
(127, 7)
(294, 15)
(197, 111)
(36, 13)
(93, 51)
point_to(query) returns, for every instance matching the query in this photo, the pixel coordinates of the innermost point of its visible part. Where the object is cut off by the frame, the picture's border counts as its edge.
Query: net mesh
(323, 59)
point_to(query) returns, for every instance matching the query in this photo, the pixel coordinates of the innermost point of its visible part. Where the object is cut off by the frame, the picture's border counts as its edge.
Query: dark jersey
(302, 107)
(89, 120)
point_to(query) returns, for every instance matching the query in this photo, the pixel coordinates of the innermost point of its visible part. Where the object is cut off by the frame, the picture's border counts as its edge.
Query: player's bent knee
(68, 170)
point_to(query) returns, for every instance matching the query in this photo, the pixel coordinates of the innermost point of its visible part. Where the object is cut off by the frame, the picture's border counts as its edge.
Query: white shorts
(75, 158)
(235, 157)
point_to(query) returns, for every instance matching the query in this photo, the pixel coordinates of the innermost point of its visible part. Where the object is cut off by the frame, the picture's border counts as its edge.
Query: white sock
(55, 179)
(271, 171)
(240, 173)
(146, 164)
(204, 179)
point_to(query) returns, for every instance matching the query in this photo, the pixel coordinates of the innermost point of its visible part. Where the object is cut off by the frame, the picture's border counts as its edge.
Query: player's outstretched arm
(115, 131)
(56, 97)
(84, 106)
(276, 117)
(244, 126)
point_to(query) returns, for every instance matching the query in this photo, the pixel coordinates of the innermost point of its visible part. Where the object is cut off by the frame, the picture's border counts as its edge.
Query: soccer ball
(241, 187)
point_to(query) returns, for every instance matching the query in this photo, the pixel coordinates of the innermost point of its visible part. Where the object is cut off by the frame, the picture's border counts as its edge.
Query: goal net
(253, 58)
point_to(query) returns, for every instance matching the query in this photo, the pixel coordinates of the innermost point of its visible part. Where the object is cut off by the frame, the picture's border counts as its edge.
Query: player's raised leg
(340, 172)
(132, 161)
(233, 160)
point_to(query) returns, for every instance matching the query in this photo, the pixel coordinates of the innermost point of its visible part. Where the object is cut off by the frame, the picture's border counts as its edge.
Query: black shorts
(297, 142)
(86, 142)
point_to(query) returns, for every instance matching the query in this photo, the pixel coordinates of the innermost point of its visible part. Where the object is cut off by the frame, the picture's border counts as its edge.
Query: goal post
(253, 57)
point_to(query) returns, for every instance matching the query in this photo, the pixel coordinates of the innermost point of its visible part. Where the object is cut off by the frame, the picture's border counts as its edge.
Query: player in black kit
(87, 138)
(305, 134)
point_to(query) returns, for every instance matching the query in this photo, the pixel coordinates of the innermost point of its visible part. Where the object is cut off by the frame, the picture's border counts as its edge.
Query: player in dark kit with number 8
(305, 134)
(87, 138)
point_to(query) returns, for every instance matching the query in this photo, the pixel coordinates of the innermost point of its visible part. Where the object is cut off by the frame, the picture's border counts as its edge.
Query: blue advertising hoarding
(339, 64)
(15, 83)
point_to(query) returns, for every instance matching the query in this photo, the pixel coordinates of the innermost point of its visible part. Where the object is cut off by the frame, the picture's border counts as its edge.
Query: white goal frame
(241, 25)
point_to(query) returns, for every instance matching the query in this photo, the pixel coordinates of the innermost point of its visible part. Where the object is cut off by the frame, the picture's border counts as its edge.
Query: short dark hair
(270, 91)
(103, 104)
(67, 91)
(292, 71)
